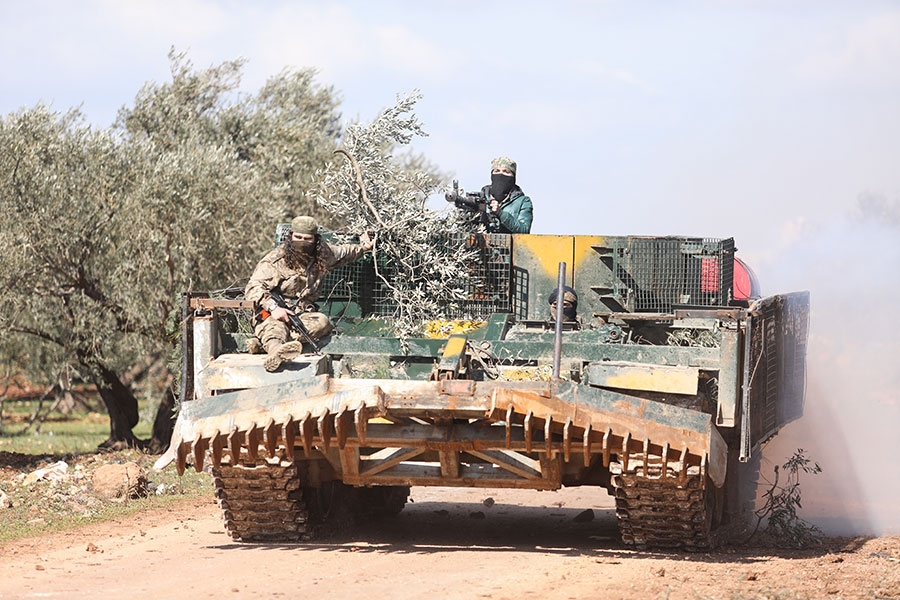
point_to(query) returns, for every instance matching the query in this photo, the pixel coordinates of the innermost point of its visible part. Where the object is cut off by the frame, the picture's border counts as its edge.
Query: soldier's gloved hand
(366, 242)
(281, 313)
(494, 206)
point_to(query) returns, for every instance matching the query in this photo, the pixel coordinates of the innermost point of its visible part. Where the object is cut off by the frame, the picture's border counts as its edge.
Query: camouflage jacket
(272, 272)
(515, 213)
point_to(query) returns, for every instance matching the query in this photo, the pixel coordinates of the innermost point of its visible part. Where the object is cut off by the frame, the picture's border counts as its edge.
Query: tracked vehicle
(659, 392)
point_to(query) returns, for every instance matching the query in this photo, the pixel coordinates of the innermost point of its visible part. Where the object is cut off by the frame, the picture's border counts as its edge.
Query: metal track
(262, 502)
(655, 511)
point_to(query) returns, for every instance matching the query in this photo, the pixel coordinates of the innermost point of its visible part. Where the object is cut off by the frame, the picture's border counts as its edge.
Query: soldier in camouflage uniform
(510, 207)
(296, 268)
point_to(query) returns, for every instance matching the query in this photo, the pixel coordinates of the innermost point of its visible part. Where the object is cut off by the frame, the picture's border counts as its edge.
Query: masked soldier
(296, 268)
(569, 304)
(510, 207)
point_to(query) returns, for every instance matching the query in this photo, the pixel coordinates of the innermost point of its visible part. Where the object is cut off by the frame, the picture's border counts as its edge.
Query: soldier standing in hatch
(296, 268)
(510, 207)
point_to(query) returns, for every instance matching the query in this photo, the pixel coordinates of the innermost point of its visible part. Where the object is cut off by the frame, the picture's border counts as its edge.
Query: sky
(777, 123)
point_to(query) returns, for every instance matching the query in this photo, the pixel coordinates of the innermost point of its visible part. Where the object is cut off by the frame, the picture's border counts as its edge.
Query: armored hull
(661, 388)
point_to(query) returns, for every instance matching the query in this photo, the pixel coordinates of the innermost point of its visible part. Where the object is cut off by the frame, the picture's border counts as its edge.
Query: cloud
(603, 74)
(868, 54)
(341, 43)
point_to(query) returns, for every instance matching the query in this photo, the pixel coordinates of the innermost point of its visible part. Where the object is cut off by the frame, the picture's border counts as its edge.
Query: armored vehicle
(661, 388)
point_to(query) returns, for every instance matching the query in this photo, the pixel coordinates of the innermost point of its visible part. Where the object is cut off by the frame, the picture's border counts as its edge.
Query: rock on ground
(118, 482)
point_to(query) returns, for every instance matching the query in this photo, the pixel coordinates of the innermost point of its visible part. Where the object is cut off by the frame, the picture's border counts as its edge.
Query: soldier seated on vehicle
(506, 201)
(570, 305)
(296, 269)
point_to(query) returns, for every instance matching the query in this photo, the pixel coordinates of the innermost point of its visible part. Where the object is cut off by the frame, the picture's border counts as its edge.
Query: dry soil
(446, 544)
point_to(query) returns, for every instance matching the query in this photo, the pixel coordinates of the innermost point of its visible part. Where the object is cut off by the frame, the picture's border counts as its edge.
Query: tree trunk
(164, 423)
(122, 407)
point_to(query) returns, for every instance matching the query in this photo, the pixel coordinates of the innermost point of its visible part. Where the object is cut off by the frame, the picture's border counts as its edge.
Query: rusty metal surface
(246, 371)
(325, 414)
(211, 303)
(636, 376)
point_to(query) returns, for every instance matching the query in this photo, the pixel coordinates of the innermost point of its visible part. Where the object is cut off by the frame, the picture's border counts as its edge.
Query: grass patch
(50, 506)
(59, 434)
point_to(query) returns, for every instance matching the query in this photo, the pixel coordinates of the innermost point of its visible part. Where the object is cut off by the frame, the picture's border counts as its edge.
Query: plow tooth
(307, 427)
(567, 439)
(665, 461)
(198, 450)
(341, 427)
(586, 443)
(288, 434)
(324, 424)
(646, 454)
(253, 437)
(626, 442)
(361, 420)
(235, 438)
(607, 441)
(683, 465)
(529, 430)
(216, 443)
(548, 434)
(271, 437)
(181, 457)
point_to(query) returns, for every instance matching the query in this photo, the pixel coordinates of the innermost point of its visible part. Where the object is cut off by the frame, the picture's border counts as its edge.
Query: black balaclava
(569, 312)
(502, 185)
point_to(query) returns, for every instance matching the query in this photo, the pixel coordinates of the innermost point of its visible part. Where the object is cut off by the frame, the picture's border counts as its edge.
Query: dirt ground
(446, 544)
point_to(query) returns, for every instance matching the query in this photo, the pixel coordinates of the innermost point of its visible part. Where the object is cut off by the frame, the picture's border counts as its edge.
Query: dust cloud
(851, 422)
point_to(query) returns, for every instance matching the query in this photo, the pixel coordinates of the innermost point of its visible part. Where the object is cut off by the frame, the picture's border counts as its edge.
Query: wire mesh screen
(486, 288)
(778, 338)
(656, 274)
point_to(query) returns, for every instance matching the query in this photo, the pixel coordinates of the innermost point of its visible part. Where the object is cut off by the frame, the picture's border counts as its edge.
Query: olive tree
(376, 184)
(101, 229)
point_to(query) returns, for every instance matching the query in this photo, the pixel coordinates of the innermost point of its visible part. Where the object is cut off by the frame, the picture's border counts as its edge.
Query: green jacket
(515, 213)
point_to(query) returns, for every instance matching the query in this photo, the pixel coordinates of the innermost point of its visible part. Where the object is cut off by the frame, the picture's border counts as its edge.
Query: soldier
(570, 304)
(296, 268)
(506, 201)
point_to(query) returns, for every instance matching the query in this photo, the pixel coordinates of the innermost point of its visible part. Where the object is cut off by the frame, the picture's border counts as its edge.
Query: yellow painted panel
(454, 346)
(584, 247)
(548, 251)
(651, 378)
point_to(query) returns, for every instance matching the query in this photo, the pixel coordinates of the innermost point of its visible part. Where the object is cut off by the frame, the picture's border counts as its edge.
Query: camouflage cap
(504, 162)
(304, 224)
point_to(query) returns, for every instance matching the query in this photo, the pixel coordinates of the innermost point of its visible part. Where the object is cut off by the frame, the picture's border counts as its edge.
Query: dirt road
(446, 544)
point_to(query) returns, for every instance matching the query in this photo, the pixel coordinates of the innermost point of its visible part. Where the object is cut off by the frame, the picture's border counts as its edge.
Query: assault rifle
(295, 321)
(475, 202)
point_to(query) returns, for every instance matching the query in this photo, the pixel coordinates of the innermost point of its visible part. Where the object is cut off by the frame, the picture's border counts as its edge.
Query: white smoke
(851, 422)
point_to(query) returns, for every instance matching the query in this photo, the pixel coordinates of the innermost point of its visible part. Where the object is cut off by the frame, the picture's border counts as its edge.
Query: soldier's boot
(254, 346)
(285, 351)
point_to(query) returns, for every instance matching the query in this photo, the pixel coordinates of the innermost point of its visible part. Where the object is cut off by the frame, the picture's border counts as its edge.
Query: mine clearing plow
(660, 403)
